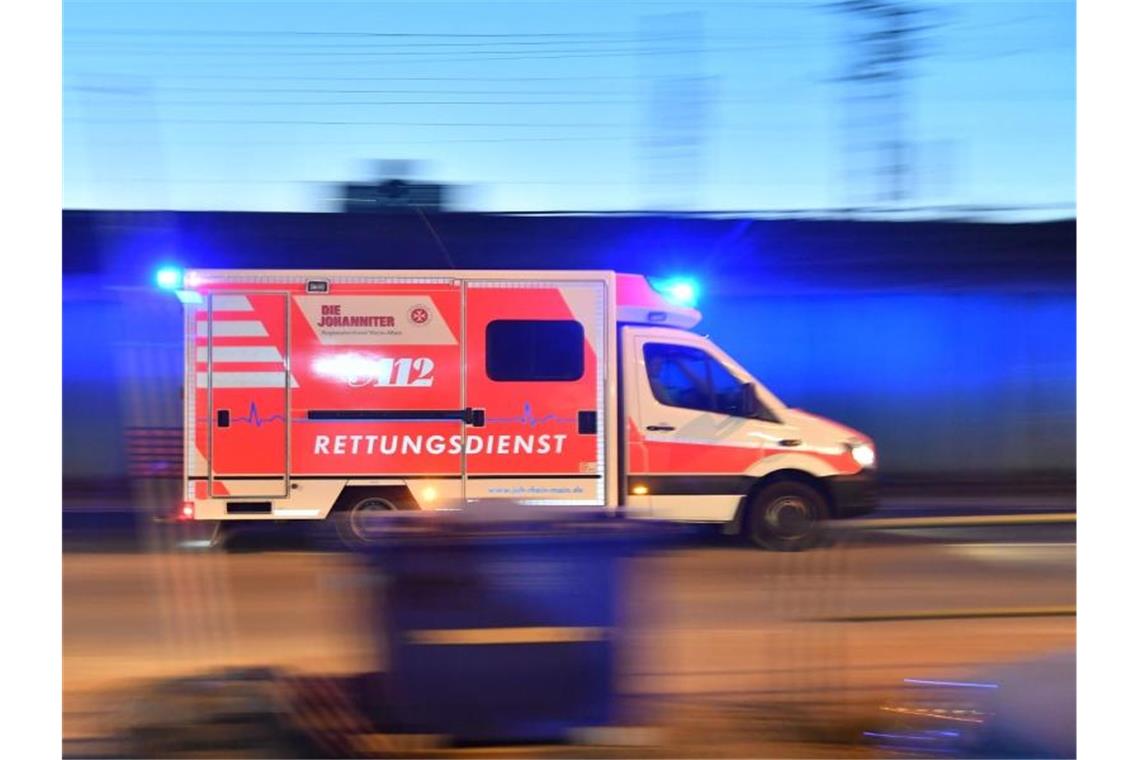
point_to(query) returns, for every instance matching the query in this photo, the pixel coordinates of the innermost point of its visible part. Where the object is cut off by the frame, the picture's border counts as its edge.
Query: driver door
(691, 443)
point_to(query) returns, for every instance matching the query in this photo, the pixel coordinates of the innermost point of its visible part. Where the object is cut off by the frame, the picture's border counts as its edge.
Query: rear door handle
(659, 428)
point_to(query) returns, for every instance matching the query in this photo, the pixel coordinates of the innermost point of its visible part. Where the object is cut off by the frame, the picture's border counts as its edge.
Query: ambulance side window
(532, 350)
(689, 378)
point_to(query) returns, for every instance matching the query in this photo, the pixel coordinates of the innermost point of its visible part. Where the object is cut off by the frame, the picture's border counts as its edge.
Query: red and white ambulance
(312, 394)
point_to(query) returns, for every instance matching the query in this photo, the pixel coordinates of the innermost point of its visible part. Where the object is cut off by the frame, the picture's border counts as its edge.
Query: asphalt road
(711, 621)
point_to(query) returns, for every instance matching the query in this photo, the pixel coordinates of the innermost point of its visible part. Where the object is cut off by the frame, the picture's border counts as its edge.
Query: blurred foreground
(727, 651)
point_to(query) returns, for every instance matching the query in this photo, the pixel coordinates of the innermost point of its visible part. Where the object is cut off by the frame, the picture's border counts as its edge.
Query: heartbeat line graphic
(527, 417)
(255, 419)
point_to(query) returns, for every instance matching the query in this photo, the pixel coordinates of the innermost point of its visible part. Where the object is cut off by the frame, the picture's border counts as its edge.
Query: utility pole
(883, 42)
(677, 93)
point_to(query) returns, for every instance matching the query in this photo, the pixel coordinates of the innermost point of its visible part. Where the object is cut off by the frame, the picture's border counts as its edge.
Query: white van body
(313, 393)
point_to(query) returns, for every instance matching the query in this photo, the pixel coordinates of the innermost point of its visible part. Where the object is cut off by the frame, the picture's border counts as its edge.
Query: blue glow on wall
(956, 381)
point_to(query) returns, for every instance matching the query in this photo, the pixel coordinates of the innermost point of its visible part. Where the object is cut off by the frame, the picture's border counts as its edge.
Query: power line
(356, 103)
(333, 123)
(489, 182)
(99, 90)
(748, 98)
(366, 34)
(150, 44)
(339, 52)
(388, 78)
(205, 44)
(625, 129)
(429, 57)
(323, 33)
(258, 142)
(399, 48)
(251, 103)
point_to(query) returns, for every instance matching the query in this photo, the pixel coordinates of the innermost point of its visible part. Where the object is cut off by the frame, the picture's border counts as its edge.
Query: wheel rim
(789, 517)
(362, 518)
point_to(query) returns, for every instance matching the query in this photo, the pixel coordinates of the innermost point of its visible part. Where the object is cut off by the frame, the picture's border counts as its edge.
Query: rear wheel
(359, 523)
(787, 516)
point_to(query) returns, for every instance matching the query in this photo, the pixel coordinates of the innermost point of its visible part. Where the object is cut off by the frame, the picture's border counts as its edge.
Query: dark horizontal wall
(953, 344)
(800, 254)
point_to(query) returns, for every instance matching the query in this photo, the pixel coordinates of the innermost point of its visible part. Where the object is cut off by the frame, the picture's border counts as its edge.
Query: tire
(352, 523)
(787, 516)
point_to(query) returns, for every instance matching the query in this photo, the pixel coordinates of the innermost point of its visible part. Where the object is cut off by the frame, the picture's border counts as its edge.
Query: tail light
(187, 511)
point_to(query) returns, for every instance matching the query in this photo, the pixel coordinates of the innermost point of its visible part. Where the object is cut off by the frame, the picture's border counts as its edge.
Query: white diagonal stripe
(247, 380)
(223, 354)
(234, 328)
(231, 303)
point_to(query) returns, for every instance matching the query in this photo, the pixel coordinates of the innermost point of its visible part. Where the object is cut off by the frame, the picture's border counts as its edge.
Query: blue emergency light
(168, 278)
(679, 291)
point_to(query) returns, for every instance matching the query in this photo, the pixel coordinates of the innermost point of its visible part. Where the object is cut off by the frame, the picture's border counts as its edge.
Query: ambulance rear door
(243, 383)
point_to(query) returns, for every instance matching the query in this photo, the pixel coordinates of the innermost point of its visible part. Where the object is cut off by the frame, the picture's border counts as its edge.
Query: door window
(690, 378)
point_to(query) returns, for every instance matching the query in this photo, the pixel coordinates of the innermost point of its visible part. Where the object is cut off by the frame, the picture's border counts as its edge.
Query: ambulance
(312, 395)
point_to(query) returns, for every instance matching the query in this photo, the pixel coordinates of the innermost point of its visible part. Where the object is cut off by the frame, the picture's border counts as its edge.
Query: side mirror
(749, 402)
(751, 406)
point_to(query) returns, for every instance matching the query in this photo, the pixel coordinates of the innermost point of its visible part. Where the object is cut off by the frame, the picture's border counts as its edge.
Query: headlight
(863, 454)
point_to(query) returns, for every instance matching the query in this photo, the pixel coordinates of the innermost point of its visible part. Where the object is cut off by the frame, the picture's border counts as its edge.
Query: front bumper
(853, 495)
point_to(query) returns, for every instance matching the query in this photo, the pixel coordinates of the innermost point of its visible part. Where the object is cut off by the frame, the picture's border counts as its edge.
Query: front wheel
(787, 517)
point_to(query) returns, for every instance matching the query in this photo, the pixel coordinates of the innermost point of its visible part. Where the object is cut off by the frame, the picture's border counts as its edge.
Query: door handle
(660, 428)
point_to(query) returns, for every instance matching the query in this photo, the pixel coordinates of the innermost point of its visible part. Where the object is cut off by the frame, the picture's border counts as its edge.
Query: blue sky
(539, 106)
